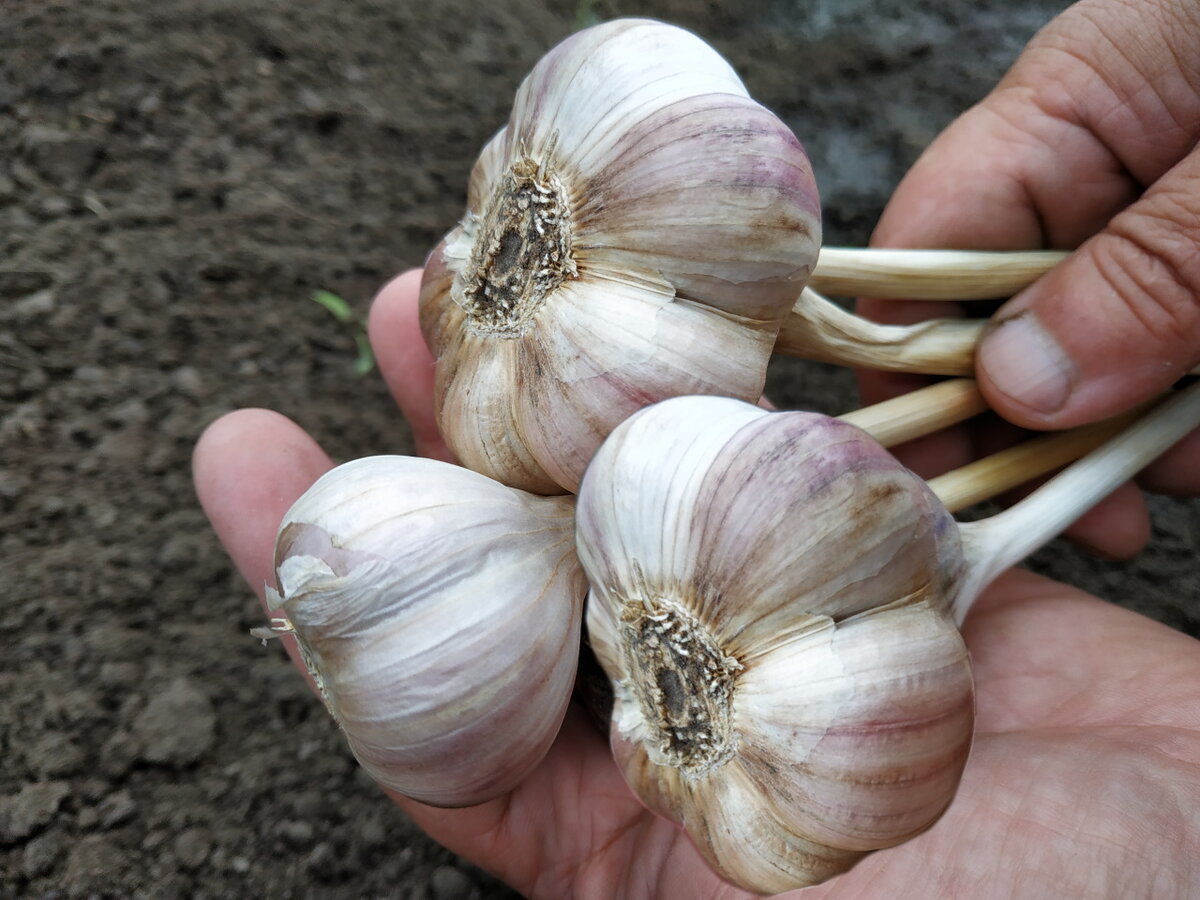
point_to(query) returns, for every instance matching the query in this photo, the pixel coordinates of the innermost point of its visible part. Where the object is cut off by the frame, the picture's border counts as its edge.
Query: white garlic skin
(439, 613)
(638, 230)
(770, 599)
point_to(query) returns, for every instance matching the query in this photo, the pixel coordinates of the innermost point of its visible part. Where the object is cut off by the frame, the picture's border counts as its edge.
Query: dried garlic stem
(919, 412)
(993, 475)
(994, 544)
(929, 274)
(819, 329)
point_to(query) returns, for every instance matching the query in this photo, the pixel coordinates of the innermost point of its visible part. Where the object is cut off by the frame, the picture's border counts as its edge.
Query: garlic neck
(684, 684)
(994, 544)
(521, 250)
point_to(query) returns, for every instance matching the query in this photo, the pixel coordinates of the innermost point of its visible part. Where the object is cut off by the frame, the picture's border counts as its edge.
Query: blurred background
(177, 179)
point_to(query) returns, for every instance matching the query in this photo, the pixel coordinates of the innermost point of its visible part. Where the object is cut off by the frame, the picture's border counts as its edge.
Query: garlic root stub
(638, 230)
(771, 601)
(439, 614)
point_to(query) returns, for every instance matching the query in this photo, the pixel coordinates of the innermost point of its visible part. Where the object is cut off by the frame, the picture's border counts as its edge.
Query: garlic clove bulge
(716, 195)
(771, 601)
(639, 221)
(438, 612)
(622, 69)
(618, 343)
(477, 385)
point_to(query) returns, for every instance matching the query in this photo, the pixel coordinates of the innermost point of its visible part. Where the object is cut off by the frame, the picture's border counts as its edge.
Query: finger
(1005, 176)
(1048, 159)
(1115, 324)
(994, 180)
(405, 361)
(1101, 104)
(249, 467)
(1177, 471)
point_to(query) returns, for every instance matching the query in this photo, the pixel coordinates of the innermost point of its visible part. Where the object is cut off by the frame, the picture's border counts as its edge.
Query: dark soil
(177, 178)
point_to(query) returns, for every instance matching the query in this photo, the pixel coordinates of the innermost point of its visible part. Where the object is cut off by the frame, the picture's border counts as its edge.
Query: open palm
(1084, 779)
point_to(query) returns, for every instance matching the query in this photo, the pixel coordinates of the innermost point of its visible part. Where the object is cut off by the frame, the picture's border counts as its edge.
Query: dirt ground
(176, 178)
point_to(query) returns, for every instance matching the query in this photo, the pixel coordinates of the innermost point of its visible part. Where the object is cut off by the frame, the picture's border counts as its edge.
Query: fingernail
(1027, 364)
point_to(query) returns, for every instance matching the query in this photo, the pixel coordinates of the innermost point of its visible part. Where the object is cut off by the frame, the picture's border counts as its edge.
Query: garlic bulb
(771, 600)
(638, 230)
(775, 600)
(439, 613)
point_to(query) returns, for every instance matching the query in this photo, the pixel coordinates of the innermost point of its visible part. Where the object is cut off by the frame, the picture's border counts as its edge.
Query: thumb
(1113, 325)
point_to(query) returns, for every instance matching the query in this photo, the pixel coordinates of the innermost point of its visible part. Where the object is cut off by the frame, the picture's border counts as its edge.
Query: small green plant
(337, 307)
(586, 14)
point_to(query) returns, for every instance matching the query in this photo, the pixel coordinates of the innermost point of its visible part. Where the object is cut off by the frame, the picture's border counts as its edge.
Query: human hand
(1083, 779)
(1089, 142)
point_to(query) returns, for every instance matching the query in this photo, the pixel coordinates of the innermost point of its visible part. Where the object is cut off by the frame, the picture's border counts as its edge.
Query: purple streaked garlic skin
(771, 599)
(439, 614)
(638, 230)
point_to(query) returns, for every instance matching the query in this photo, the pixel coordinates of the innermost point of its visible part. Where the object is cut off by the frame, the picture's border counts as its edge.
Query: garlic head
(638, 230)
(438, 612)
(771, 602)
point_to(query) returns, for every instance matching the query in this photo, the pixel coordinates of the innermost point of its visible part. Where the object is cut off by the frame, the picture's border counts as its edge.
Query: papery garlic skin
(439, 612)
(770, 598)
(638, 230)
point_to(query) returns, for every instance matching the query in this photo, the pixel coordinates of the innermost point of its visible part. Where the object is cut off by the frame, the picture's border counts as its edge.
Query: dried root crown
(684, 683)
(522, 251)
